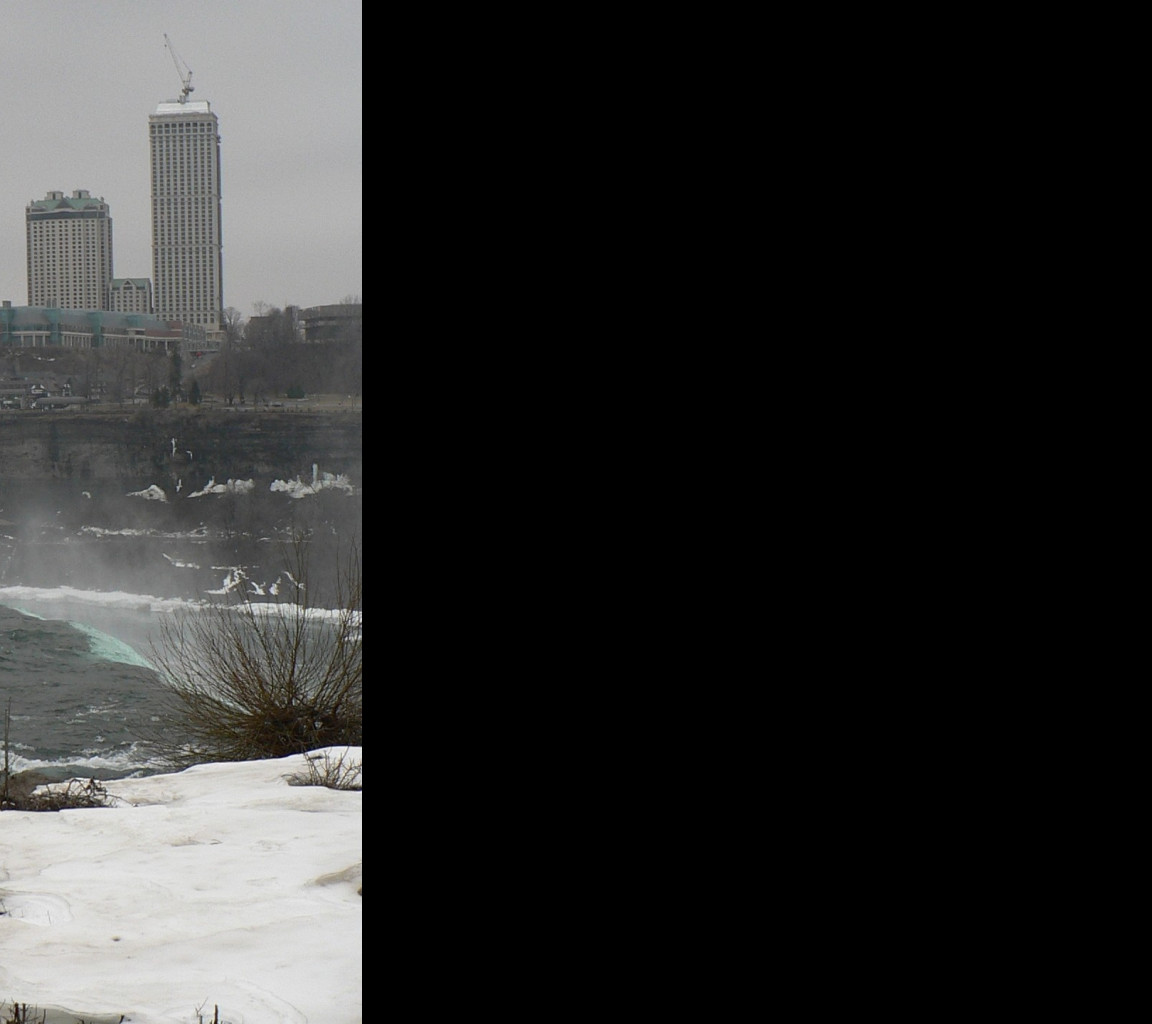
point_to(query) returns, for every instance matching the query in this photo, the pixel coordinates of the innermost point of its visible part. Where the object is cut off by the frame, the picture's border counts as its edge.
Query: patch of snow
(152, 493)
(324, 481)
(231, 487)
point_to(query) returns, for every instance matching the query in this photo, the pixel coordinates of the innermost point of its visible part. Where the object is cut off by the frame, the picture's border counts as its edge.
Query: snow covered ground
(219, 886)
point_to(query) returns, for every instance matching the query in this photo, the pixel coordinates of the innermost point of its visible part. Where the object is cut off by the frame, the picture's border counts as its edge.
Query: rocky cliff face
(139, 449)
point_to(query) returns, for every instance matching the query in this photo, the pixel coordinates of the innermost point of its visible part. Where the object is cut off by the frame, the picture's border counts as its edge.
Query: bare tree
(222, 372)
(232, 320)
(248, 681)
(176, 375)
(151, 370)
(90, 369)
(119, 361)
(291, 330)
(259, 388)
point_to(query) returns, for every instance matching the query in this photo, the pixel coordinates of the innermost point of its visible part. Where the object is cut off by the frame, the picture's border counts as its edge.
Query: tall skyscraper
(69, 251)
(187, 249)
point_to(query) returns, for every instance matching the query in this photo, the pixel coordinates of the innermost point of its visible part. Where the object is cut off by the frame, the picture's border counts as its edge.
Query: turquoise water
(107, 648)
(81, 699)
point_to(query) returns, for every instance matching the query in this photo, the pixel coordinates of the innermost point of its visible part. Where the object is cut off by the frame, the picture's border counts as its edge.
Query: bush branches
(249, 681)
(323, 769)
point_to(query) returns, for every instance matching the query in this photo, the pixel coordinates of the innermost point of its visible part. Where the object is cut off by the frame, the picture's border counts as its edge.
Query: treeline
(286, 370)
(238, 373)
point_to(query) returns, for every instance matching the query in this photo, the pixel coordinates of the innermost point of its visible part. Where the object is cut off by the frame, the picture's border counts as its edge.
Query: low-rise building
(341, 322)
(49, 327)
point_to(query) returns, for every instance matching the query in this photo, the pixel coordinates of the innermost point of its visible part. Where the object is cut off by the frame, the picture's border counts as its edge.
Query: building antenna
(185, 79)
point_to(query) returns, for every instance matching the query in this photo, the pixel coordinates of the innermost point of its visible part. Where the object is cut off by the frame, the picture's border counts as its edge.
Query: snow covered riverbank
(223, 885)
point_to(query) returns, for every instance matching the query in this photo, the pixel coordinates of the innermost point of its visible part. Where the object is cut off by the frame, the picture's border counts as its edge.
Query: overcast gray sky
(78, 79)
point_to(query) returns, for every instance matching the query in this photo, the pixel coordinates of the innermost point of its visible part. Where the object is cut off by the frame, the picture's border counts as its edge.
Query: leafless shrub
(322, 769)
(22, 1013)
(248, 681)
(199, 1011)
(66, 797)
(72, 795)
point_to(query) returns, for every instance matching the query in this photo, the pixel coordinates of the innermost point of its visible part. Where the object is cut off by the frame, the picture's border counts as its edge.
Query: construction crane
(185, 79)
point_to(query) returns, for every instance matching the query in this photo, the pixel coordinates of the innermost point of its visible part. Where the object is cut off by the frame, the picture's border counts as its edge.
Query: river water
(86, 581)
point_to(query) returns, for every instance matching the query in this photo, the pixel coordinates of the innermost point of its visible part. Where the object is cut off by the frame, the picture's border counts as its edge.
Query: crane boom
(185, 79)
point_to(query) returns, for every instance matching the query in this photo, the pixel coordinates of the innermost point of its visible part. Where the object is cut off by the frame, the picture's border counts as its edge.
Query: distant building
(187, 246)
(53, 327)
(131, 295)
(332, 323)
(69, 251)
(262, 330)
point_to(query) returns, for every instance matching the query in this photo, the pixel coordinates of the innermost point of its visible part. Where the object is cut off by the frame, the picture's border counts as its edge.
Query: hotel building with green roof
(69, 251)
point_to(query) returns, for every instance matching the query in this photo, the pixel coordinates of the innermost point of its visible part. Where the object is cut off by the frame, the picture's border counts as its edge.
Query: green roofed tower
(69, 251)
